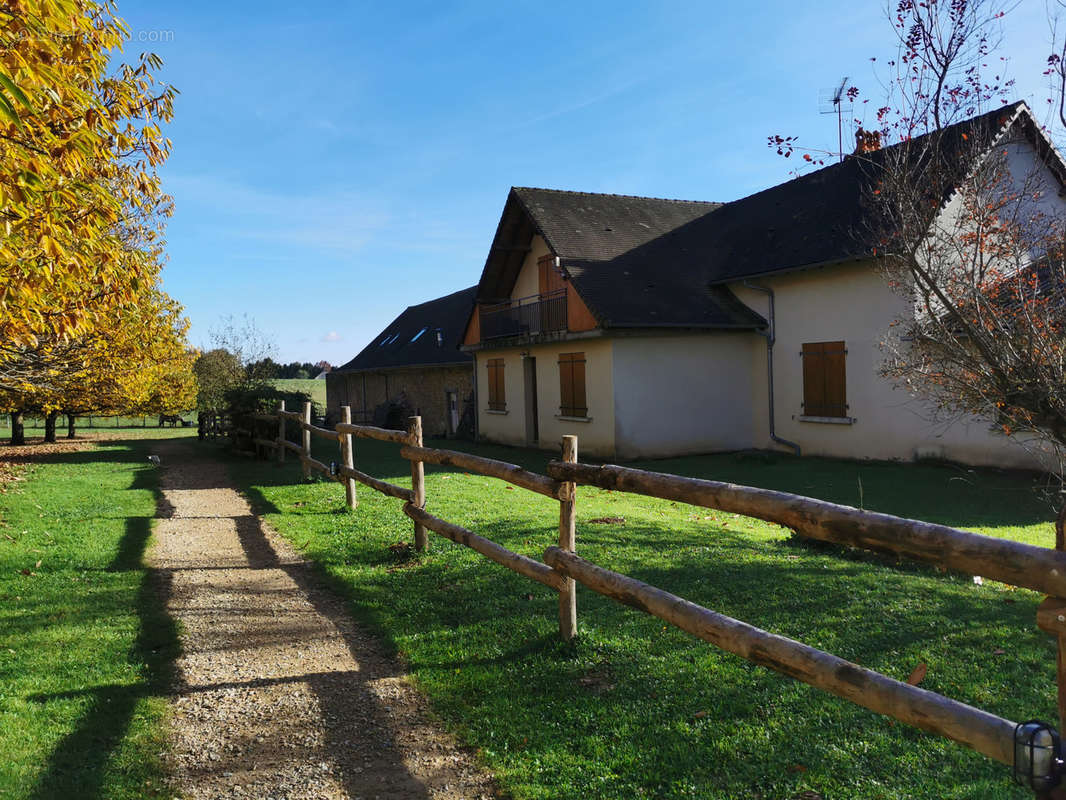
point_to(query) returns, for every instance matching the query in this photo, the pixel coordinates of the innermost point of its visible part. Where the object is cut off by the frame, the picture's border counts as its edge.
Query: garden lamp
(1037, 756)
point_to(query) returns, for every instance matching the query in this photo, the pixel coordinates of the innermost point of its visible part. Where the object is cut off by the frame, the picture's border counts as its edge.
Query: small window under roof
(416, 337)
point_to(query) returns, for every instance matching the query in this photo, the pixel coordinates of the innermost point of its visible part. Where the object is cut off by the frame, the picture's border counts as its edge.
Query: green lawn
(637, 709)
(85, 644)
(317, 389)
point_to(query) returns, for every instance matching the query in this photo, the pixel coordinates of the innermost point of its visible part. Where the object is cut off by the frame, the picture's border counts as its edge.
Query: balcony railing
(525, 316)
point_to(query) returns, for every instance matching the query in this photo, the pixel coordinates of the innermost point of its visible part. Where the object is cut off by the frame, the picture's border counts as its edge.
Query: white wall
(507, 427)
(528, 282)
(595, 434)
(854, 304)
(684, 394)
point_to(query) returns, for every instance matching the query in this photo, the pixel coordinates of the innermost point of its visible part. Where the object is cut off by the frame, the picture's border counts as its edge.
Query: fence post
(568, 542)
(418, 480)
(348, 457)
(306, 440)
(1051, 618)
(1060, 672)
(281, 432)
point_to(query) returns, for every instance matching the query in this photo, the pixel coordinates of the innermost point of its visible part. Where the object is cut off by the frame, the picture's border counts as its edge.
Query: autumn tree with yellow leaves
(83, 322)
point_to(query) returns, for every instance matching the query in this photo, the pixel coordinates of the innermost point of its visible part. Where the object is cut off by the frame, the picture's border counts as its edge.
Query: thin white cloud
(328, 221)
(332, 336)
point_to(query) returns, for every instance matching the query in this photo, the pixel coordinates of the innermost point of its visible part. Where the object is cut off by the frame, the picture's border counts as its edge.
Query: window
(572, 385)
(497, 395)
(418, 335)
(824, 380)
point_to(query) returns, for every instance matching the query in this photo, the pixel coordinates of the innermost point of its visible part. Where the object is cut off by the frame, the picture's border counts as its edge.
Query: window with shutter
(824, 379)
(572, 385)
(497, 395)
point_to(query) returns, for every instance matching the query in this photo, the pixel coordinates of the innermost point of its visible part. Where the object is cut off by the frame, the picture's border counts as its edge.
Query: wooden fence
(1022, 746)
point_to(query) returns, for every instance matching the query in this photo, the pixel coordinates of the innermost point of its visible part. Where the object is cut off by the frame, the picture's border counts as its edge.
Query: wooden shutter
(824, 379)
(572, 401)
(497, 395)
(551, 279)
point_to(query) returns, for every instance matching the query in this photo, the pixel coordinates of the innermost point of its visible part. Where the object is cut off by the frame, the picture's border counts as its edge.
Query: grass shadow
(79, 763)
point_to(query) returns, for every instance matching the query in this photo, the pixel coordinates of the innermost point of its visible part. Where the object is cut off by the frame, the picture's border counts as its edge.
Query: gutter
(771, 338)
(477, 412)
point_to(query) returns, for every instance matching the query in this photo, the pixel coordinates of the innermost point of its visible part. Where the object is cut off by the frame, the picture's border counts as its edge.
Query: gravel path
(280, 694)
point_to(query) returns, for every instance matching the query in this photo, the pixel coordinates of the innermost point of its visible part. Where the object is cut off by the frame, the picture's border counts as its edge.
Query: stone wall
(422, 390)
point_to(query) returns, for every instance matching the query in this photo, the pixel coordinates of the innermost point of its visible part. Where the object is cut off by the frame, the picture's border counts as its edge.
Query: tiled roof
(639, 261)
(822, 217)
(599, 227)
(411, 339)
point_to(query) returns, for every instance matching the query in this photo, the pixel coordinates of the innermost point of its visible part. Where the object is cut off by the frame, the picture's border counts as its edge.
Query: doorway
(529, 375)
(452, 399)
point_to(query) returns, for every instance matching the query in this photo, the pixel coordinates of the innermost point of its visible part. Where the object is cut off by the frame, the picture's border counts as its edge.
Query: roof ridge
(616, 194)
(1015, 107)
(442, 297)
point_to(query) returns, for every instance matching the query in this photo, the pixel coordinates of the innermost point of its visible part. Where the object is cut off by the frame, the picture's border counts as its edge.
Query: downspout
(771, 338)
(477, 412)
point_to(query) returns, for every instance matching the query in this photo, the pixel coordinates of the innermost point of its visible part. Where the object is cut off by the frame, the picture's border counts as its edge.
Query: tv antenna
(831, 101)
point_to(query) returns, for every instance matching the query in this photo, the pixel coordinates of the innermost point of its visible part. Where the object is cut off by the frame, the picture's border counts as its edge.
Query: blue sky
(337, 161)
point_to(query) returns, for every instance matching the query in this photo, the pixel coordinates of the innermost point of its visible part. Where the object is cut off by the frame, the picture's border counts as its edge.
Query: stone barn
(414, 366)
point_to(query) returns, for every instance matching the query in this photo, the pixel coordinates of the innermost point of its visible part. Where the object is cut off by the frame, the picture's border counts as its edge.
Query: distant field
(97, 421)
(317, 389)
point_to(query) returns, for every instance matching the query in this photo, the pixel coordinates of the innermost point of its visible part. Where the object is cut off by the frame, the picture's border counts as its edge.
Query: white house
(654, 327)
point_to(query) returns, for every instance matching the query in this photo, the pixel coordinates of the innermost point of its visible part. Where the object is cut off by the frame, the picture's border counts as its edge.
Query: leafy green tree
(217, 372)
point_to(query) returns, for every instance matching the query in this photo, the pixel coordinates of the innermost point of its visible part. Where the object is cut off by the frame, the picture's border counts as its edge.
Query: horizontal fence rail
(498, 553)
(370, 432)
(986, 733)
(1017, 564)
(512, 473)
(325, 433)
(390, 489)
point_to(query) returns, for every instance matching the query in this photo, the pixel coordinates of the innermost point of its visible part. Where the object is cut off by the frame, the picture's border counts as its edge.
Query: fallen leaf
(999, 651)
(26, 572)
(797, 768)
(918, 674)
(38, 565)
(700, 714)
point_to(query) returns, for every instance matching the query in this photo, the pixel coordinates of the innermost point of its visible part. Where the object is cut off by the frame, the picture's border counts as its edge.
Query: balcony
(525, 316)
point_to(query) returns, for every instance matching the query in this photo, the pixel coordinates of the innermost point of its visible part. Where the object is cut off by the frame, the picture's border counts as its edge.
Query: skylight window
(417, 335)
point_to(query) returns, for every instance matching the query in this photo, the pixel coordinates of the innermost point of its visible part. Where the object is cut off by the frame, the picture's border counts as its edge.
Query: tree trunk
(50, 427)
(70, 426)
(18, 434)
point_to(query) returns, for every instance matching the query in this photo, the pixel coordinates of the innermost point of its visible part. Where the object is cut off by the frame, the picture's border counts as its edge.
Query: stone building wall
(423, 390)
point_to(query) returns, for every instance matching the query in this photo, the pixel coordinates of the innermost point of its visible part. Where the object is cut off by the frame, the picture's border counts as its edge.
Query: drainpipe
(477, 411)
(771, 337)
